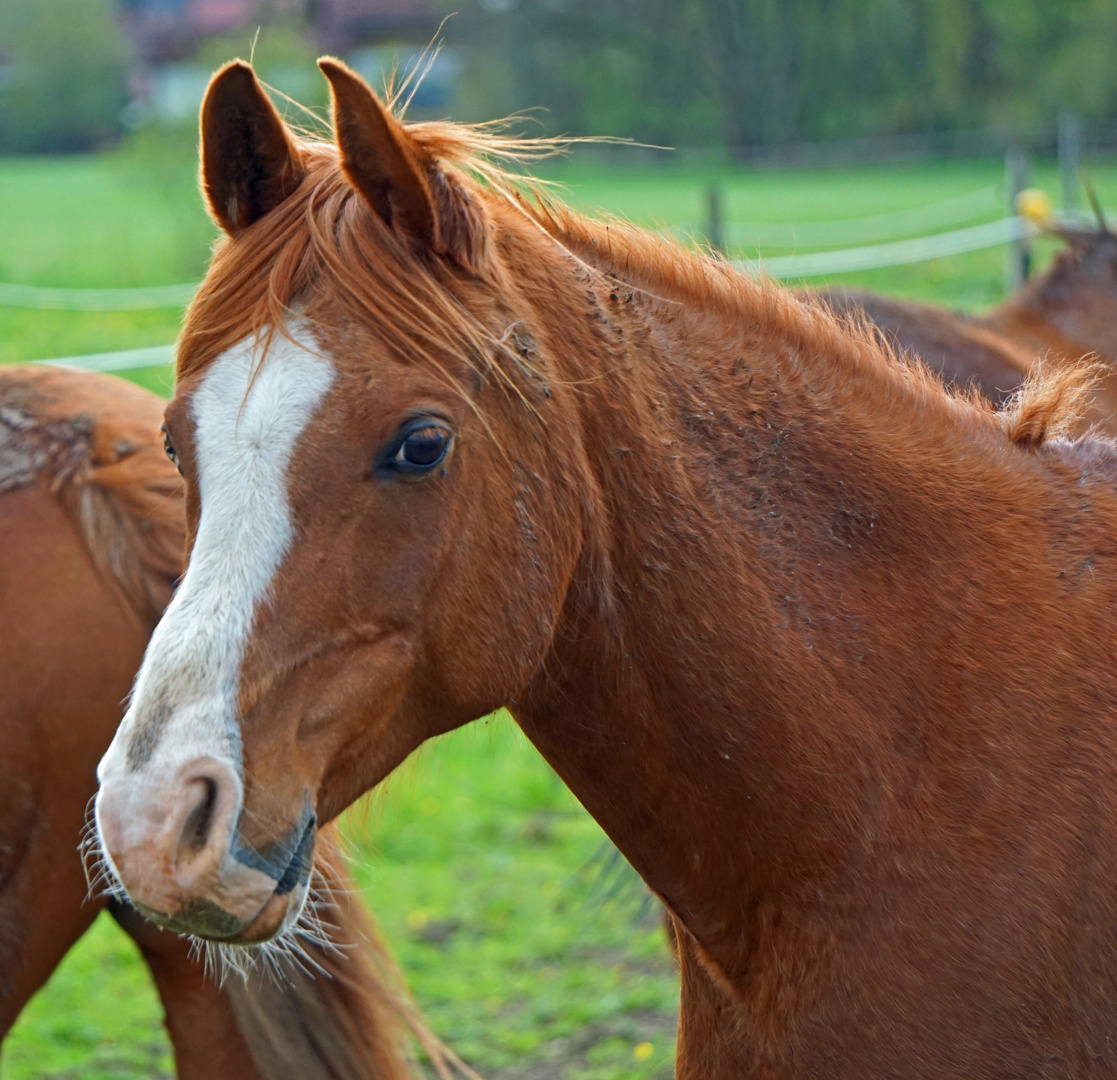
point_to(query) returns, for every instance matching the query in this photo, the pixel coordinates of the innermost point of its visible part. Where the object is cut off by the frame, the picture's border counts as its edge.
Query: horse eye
(422, 449)
(170, 451)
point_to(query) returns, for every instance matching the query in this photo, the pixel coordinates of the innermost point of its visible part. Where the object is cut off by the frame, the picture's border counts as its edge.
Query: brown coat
(1066, 313)
(829, 652)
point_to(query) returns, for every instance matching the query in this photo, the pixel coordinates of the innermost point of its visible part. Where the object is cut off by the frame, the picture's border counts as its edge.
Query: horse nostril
(207, 801)
(196, 828)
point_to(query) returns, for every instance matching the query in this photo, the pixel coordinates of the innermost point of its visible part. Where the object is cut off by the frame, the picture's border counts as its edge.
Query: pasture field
(531, 954)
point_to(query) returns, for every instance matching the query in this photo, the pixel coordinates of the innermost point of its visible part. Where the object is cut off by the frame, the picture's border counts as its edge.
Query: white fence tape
(128, 360)
(42, 299)
(808, 234)
(788, 267)
(876, 256)
(859, 231)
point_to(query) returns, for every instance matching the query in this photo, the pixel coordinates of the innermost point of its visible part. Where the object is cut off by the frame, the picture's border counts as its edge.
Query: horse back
(961, 351)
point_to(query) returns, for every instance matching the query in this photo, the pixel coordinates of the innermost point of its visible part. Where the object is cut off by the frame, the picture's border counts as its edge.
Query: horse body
(827, 651)
(811, 718)
(92, 531)
(71, 645)
(1066, 313)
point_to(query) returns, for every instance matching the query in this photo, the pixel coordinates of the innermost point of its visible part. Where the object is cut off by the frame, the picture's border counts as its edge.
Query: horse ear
(250, 162)
(382, 161)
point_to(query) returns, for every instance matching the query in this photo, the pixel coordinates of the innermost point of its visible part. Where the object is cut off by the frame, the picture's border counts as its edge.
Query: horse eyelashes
(418, 449)
(170, 451)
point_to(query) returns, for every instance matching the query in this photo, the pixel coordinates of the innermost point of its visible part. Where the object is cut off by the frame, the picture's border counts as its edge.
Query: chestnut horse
(1059, 317)
(828, 651)
(92, 535)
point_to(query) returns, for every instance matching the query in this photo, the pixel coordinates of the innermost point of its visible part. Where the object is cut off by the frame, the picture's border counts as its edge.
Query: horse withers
(827, 650)
(92, 534)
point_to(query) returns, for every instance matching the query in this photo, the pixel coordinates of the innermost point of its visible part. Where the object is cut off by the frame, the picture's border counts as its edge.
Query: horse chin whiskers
(100, 876)
(284, 958)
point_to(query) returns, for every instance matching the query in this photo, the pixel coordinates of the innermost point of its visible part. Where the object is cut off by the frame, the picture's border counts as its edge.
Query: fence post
(715, 232)
(1070, 149)
(1019, 255)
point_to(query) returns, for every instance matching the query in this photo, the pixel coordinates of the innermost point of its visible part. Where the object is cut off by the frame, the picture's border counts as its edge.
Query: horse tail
(338, 1009)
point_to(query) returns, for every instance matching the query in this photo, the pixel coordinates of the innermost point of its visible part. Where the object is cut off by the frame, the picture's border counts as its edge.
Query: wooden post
(1070, 149)
(715, 231)
(1019, 255)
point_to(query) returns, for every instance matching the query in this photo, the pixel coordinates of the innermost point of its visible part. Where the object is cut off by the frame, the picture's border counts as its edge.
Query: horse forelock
(324, 244)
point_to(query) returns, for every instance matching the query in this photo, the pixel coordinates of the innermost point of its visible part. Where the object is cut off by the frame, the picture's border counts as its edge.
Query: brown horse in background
(829, 652)
(92, 536)
(1064, 314)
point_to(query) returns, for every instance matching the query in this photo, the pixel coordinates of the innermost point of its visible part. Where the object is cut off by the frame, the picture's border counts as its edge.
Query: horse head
(1077, 295)
(382, 521)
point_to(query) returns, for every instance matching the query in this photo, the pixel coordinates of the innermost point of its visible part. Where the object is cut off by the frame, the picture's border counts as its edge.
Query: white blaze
(248, 420)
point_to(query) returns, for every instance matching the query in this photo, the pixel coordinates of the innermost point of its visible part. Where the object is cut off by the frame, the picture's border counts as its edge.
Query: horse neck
(712, 694)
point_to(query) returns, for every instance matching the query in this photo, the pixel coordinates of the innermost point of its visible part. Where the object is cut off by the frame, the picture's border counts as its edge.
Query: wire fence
(899, 253)
(859, 231)
(810, 264)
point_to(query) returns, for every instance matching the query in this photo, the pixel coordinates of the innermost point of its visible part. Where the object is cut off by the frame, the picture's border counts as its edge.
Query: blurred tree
(749, 73)
(64, 74)
(737, 73)
(283, 53)
(624, 67)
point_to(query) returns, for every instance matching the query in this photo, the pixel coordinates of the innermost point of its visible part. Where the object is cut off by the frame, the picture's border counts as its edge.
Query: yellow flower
(1034, 204)
(643, 1051)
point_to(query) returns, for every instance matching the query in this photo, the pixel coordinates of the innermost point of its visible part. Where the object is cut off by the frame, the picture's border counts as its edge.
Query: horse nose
(205, 816)
(167, 840)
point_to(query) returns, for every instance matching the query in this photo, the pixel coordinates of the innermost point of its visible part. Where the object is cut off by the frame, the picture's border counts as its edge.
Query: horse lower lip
(200, 918)
(262, 926)
(160, 918)
(266, 923)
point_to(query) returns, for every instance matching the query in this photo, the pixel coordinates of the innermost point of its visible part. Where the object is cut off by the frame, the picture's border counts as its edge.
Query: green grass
(474, 857)
(98, 1017)
(481, 868)
(482, 871)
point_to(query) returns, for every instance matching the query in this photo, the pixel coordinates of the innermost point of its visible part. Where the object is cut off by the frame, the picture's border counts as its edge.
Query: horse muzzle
(174, 842)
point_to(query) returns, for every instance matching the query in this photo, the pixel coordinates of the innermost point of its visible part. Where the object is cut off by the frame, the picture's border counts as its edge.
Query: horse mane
(130, 516)
(325, 235)
(1044, 408)
(123, 496)
(1051, 401)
